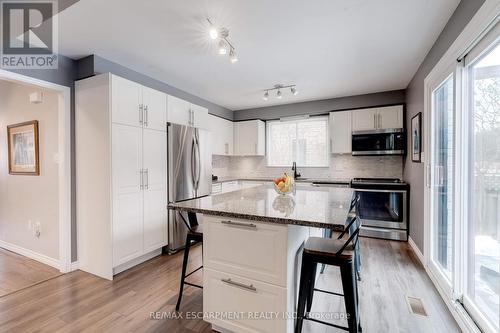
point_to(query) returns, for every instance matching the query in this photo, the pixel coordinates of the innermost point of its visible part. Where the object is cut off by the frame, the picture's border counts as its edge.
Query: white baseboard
(31, 254)
(136, 261)
(416, 250)
(75, 265)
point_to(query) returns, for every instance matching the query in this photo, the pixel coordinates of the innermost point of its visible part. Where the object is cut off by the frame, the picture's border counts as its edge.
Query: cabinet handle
(141, 115)
(255, 148)
(226, 148)
(239, 224)
(379, 123)
(374, 120)
(141, 179)
(146, 172)
(239, 285)
(146, 116)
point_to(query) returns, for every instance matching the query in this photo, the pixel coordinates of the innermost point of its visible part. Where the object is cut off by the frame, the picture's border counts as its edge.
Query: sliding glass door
(441, 181)
(482, 271)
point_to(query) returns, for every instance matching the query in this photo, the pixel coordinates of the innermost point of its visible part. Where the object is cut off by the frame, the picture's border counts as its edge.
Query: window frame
(298, 120)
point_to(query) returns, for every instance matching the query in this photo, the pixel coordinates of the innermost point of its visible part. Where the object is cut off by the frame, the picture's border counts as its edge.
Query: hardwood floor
(18, 272)
(80, 302)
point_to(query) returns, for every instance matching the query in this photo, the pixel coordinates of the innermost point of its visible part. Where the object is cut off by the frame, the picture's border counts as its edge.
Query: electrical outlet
(37, 230)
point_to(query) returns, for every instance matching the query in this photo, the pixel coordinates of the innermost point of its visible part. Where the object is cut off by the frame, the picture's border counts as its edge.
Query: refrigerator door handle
(198, 162)
(193, 162)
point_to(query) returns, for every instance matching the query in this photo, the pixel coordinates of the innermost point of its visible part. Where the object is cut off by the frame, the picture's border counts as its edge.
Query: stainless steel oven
(379, 142)
(383, 207)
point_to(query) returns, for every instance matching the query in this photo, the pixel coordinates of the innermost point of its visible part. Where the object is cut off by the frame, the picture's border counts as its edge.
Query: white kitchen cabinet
(390, 117)
(222, 135)
(127, 192)
(250, 138)
(364, 119)
(199, 116)
(121, 176)
(182, 112)
(154, 189)
(377, 118)
(136, 105)
(155, 109)
(340, 132)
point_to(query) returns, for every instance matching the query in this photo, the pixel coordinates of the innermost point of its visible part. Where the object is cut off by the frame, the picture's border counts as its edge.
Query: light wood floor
(78, 301)
(18, 272)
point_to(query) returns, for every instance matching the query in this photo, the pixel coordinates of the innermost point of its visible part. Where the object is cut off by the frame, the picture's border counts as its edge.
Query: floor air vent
(416, 305)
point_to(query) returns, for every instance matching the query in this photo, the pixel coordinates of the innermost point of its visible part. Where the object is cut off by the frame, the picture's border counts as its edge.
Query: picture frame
(23, 148)
(416, 137)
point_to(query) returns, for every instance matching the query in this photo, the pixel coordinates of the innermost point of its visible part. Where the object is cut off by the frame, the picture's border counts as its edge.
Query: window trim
(292, 120)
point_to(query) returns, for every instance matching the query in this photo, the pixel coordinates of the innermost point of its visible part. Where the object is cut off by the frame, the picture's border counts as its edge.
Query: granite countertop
(321, 207)
(269, 179)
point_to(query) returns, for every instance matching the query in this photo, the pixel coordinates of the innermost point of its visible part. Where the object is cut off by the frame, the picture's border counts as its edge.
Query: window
(304, 141)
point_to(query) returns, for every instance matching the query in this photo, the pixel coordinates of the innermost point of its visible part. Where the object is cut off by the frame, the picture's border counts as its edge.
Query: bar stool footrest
(328, 292)
(196, 270)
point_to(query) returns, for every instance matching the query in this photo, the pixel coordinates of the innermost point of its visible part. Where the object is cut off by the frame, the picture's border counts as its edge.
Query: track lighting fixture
(266, 96)
(222, 34)
(278, 88)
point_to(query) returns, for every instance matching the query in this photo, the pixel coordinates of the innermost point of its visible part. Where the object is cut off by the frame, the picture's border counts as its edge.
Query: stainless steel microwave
(379, 142)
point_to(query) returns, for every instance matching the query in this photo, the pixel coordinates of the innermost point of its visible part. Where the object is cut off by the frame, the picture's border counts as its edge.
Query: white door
(200, 116)
(155, 109)
(178, 111)
(364, 120)
(155, 198)
(126, 102)
(340, 132)
(127, 193)
(390, 117)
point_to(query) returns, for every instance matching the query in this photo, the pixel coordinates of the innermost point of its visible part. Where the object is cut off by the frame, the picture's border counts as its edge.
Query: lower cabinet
(245, 299)
(250, 269)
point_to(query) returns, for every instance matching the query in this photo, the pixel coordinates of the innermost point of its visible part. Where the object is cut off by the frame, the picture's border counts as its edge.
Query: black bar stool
(193, 237)
(336, 252)
(328, 233)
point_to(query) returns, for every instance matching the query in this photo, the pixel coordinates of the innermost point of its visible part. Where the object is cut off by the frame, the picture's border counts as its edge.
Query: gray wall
(94, 64)
(414, 172)
(323, 106)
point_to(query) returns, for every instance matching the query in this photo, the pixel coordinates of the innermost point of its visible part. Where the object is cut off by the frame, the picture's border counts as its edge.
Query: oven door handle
(376, 190)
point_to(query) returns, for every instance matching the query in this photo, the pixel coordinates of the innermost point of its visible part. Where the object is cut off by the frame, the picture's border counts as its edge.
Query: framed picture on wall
(23, 148)
(416, 137)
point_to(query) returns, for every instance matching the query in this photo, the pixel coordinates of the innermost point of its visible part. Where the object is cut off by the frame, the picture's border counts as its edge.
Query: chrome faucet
(294, 169)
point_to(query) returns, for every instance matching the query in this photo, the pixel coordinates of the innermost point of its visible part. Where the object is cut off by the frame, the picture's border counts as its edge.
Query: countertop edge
(258, 218)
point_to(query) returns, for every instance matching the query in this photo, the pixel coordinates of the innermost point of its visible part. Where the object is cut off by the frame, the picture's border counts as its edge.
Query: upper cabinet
(250, 138)
(222, 135)
(136, 105)
(340, 132)
(378, 118)
(184, 113)
(390, 117)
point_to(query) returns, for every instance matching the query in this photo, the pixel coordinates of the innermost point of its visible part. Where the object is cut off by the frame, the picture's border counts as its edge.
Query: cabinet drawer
(230, 186)
(230, 294)
(253, 250)
(216, 188)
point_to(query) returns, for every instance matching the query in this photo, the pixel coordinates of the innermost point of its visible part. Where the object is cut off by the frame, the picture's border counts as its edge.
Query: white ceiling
(328, 48)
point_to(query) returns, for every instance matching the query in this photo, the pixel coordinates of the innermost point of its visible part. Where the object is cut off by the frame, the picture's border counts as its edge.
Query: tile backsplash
(341, 166)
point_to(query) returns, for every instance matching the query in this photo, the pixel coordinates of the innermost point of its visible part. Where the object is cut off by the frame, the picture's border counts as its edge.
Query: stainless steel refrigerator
(189, 175)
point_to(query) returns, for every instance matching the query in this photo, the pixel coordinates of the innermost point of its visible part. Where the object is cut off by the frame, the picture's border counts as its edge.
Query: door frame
(64, 172)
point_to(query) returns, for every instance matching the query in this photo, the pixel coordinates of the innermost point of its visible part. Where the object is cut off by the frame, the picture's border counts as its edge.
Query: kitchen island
(252, 240)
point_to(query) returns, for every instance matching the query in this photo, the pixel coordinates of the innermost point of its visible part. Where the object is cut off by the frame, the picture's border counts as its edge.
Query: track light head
(278, 94)
(294, 91)
(232, 56)
(266, 96)
(222, 47)
(214, 34)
